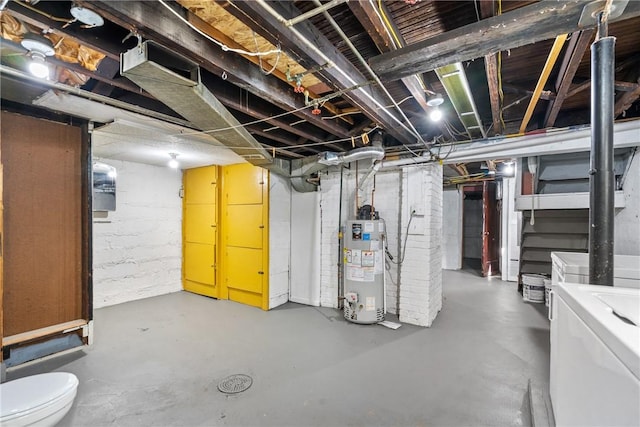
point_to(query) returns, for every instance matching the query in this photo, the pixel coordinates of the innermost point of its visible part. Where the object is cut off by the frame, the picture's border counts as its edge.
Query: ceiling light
(38, 67)
(86, 16)
(435, 114)
(508, 169)
(39, 48)
(435, 101)
(173, 163)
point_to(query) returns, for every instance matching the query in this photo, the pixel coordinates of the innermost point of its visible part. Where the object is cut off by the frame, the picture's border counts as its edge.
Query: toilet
(38, 400)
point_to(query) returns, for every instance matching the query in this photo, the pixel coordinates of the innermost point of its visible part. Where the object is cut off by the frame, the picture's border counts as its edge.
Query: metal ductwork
(175, 81)
(303, 169)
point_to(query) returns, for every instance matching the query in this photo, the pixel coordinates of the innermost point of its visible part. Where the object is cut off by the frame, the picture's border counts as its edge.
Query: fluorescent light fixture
(173, 163)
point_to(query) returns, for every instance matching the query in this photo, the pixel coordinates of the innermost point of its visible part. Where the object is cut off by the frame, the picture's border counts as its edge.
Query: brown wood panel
(43, 222)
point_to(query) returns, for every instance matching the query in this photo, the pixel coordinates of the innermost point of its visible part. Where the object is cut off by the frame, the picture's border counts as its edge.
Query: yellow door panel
(244, 226)
(199, 263)
(243, 184)
(244, 270)
(201, 289)
(247, 298)
(200, 223)
(200, 185)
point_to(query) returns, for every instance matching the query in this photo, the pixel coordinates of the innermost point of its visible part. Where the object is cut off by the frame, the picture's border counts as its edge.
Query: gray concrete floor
(157, 362)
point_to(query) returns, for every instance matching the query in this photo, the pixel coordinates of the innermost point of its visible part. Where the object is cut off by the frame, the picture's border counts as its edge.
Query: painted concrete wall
(279, 239)
(452, 229)
(511, 221)
(305, 248)
(472, 228)
(137, 251)
(396, 195)
(627, 220)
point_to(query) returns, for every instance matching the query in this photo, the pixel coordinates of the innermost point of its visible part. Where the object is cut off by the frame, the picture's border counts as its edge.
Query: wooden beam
(487, 10)
(540, 21)
(223, 38)
(343, 73)
(43, 332)
(383, 40)
(281, 138)
(572, 58)
(491, 68)
(370, 21)
(626, 100)
(544, 76)
(157, 23)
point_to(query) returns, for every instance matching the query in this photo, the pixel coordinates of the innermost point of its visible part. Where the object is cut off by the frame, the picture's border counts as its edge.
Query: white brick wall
(627, 220)
(421, 271)
(452, 229)
(279, 239)
(137, 248)
(420, 278)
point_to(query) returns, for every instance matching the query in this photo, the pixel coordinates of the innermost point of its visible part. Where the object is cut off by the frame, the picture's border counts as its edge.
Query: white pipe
(627, 134)
(3, 4)
(365, 64)
(330, 63)
(314, 12)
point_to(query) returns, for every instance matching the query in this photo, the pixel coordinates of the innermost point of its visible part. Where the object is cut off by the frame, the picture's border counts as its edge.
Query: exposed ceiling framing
(501, 46)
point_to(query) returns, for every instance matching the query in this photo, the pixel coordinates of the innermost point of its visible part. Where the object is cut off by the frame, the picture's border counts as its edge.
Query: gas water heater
(364, 300)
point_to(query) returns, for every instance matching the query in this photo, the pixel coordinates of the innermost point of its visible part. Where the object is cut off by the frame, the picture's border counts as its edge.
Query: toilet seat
(31, 399)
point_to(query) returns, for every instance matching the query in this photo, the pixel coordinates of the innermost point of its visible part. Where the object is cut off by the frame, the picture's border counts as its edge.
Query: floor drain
(235, 383)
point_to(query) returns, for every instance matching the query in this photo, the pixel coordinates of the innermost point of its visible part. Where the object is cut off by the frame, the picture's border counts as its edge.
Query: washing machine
(595, 355)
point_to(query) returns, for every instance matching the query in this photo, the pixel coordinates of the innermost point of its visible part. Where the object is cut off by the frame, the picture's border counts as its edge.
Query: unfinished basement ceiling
(344, 99)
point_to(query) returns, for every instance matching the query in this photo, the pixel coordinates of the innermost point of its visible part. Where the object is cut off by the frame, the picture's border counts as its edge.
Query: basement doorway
(481, 229)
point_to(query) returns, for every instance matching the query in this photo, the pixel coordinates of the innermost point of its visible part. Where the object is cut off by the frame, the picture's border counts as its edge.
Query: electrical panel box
(364, 271)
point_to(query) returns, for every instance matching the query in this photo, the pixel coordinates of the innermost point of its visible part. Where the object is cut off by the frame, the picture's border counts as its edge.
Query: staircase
(553, 230)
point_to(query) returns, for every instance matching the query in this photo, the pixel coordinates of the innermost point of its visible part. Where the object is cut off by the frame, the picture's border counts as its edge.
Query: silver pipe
(601, 179)
(93, 96)
(314, 12)
(3, 4)
(330, 63)
(370, 71)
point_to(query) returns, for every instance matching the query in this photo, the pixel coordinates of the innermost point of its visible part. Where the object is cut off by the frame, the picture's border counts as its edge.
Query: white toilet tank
(38, 400)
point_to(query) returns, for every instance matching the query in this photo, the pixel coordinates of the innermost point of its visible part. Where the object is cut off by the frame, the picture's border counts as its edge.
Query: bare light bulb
(173, 163)
(508, 169)
(38, 67)
(435, 115)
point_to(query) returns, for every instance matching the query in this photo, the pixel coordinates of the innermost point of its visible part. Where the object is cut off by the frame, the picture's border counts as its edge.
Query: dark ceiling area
(345, 70)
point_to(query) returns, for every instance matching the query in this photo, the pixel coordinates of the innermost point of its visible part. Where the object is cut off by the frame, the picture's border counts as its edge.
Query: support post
(601, 179)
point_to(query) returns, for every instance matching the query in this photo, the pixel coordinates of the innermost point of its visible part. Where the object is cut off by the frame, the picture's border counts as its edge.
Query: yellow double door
(225, 233)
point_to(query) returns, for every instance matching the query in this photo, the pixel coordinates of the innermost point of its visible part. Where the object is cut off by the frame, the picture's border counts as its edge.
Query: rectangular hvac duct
(175, 81)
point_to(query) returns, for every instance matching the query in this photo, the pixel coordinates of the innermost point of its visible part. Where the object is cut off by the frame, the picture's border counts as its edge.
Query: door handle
(260, 272)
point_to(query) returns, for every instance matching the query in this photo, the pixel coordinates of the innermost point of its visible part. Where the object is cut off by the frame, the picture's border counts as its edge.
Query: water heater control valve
(351, 297)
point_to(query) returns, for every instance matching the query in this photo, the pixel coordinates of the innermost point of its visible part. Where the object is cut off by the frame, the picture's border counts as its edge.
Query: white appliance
(573, 267)
(364, 271)
(595, 355)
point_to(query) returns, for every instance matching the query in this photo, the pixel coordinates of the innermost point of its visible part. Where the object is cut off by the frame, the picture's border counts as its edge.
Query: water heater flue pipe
(330, 158)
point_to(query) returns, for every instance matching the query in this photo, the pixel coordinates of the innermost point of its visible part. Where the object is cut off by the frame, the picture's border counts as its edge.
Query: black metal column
(601, 180)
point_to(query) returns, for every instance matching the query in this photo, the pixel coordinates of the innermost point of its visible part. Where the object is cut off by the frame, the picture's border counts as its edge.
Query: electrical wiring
(288, 147)
(53, 18)
(404, 246)
(266, 73)
(222, 46)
